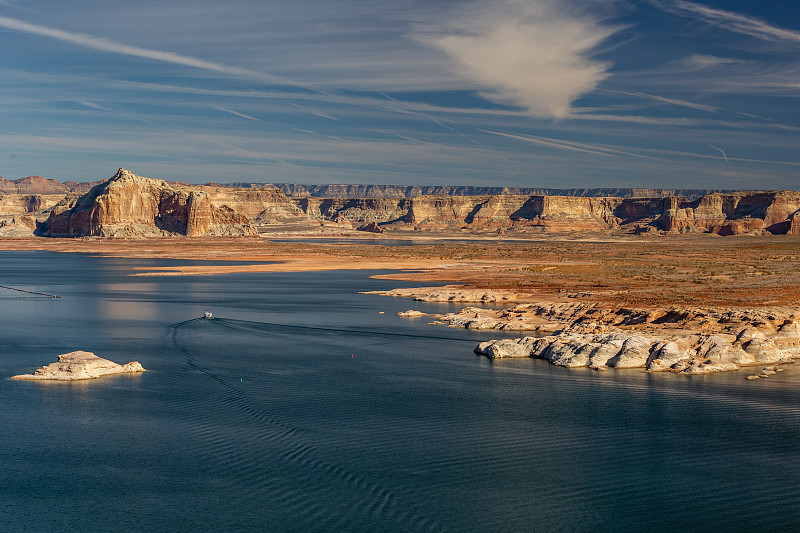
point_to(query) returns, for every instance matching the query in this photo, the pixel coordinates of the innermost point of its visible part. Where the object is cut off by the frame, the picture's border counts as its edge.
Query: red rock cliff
(128, 205)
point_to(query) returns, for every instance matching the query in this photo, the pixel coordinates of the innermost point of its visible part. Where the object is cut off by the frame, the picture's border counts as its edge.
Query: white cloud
(530, 54)
(729, 20)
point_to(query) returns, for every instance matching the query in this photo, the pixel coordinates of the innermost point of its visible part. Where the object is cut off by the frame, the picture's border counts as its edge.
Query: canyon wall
(130, 205)
(21, 204)
(724, 214)
(720, 213)
(259, 204)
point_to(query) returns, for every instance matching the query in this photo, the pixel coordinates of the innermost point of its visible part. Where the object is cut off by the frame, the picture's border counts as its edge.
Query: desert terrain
(663, 283)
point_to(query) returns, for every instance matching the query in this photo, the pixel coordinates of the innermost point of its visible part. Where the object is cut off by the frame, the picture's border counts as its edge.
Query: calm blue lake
(301, 408)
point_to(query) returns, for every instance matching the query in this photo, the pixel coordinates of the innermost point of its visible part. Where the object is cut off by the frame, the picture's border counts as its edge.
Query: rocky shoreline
(79, 365)
(688, 340)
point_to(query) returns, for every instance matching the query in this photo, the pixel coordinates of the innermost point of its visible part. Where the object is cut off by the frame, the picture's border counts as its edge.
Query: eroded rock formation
(128, 205)
(688, 354)
(79, 365)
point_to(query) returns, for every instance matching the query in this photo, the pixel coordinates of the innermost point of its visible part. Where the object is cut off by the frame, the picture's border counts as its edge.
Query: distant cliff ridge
(40, 185)
(776, 212)
(413, 191)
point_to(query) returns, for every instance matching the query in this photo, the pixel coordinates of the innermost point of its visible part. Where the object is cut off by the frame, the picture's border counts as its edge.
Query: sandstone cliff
(128, 205)
(775, 212)
(355, 210)
(21, 204)
(734, 213)
(265, 205)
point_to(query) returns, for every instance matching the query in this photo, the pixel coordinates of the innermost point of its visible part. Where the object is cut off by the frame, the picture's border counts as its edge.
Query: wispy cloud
(567, 145)
(92, 105)
(729, 20)
(534, 55)
(12, 3)
(673, 101)
(314, 112)
(107, 45)
(619, 150)
(704, 61)
(236, 113)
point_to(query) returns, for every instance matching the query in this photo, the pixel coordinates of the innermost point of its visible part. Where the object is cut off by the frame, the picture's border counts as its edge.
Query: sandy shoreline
(229, 250)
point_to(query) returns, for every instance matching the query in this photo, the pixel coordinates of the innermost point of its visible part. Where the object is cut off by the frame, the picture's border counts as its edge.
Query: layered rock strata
(79, 365)
(125, 206)
(128, 205)
(736, 213)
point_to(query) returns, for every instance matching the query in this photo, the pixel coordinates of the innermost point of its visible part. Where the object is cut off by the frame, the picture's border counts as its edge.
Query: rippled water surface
(301, 408)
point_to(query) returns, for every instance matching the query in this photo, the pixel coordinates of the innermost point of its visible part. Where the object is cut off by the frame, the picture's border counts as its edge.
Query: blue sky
(536, 93)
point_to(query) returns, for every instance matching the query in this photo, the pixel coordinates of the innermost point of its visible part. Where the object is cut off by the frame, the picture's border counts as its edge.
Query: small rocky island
(79, 365)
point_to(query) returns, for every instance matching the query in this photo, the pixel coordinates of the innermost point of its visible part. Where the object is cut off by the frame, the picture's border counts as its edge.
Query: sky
(519, 93)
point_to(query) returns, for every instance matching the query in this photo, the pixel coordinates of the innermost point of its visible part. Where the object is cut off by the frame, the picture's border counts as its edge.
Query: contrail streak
(720, 150)
(107, 45)
(236, 113)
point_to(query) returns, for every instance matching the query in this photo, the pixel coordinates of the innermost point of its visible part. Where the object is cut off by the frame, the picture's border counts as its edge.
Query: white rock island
(79, 365)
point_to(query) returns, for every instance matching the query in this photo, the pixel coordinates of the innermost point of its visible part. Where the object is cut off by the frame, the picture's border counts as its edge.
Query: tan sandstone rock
(79, 365)
(128, 205)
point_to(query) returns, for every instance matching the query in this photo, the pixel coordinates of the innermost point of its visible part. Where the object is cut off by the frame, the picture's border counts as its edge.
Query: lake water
(301, 408)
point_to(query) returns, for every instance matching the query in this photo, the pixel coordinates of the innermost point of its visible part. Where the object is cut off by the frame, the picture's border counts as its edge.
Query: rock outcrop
(372, 227)
(79, 365)
(453, 293)
(128, 205)
(687, 340)
(411, 313)
(18, 226)
(691, 340)
(688, 354)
